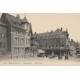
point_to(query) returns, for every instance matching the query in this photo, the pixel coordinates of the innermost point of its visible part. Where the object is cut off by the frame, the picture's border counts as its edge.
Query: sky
(45, 22)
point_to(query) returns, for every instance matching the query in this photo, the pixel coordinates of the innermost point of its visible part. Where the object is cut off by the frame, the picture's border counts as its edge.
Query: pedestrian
(66, 56)
(59, 57)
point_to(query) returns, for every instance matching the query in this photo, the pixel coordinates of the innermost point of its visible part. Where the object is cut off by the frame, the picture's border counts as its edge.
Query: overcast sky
(43, 22)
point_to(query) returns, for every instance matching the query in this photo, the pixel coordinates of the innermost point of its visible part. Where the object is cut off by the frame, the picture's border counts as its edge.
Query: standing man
(66, 56)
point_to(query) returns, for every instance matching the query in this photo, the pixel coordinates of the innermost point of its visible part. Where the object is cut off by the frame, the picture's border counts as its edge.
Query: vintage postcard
(39, 39)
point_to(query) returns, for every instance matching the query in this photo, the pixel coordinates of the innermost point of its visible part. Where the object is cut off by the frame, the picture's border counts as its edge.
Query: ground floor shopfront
(57, 52)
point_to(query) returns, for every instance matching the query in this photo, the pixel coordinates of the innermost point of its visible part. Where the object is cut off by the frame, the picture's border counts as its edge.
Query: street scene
(18, 42)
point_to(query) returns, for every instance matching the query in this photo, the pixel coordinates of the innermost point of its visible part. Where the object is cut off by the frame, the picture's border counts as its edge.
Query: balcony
(56, 48)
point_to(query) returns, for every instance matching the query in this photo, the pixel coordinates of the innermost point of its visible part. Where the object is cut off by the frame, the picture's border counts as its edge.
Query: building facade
(3, 39)
(56, 42)
(19, 32)
(73, 47)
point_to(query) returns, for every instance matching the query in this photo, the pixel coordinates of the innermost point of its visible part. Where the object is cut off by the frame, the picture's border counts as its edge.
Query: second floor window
(22, 41)
(27, 41)
(2, 35)
(2, 45)
(16, 40)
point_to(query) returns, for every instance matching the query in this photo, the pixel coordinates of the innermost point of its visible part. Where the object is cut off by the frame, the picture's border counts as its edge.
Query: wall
(3, 40)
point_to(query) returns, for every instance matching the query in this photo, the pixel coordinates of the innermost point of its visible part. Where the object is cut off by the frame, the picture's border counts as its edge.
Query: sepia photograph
(41, 39)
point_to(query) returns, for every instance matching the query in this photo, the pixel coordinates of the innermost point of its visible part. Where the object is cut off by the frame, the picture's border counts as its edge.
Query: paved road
(72, 61)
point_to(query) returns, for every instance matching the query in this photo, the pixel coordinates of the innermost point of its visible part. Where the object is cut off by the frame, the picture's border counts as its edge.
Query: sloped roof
(15, 21)
(35, 43)
(43, 35)
(48, 35)
(24, 20)
(58, 34)
(2, 23)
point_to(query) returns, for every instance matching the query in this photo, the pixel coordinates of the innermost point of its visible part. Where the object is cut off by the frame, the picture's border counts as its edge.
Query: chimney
(18, 16)
(51, 31)
(61, 28)
(25, 16)
(35, 33)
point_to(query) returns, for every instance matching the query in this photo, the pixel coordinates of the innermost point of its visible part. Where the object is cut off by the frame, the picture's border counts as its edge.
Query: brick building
(56, 42)
(19, 32)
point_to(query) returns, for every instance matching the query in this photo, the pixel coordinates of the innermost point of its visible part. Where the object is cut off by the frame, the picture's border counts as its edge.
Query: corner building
(55, 42)
(19, 32)
(3, 39)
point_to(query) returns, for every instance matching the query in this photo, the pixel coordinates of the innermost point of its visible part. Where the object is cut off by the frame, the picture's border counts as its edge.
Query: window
(46, 45)
(52, 45)
(28, 34)
(58, 40)
(56, 45)
(22, 32)
(26, 41)
(18, 51)
(3, 35)
(62, 45)
(16, 40)
(26, 24)
(13, 30)
(15, 50)
(17, 31)
(2, 45)
(22, 41)
(22, 50)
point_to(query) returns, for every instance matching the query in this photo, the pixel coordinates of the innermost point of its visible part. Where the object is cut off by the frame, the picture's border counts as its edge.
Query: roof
(24, 20)
(14, 21)
(2, 23)
(35, 43)
(56, 34)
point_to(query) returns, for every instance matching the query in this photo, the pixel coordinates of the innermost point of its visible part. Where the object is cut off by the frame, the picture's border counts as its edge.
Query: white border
(40, 6)
(39, 73)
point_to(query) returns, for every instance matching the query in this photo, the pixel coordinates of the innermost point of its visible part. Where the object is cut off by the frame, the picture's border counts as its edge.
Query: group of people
(65, 55)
